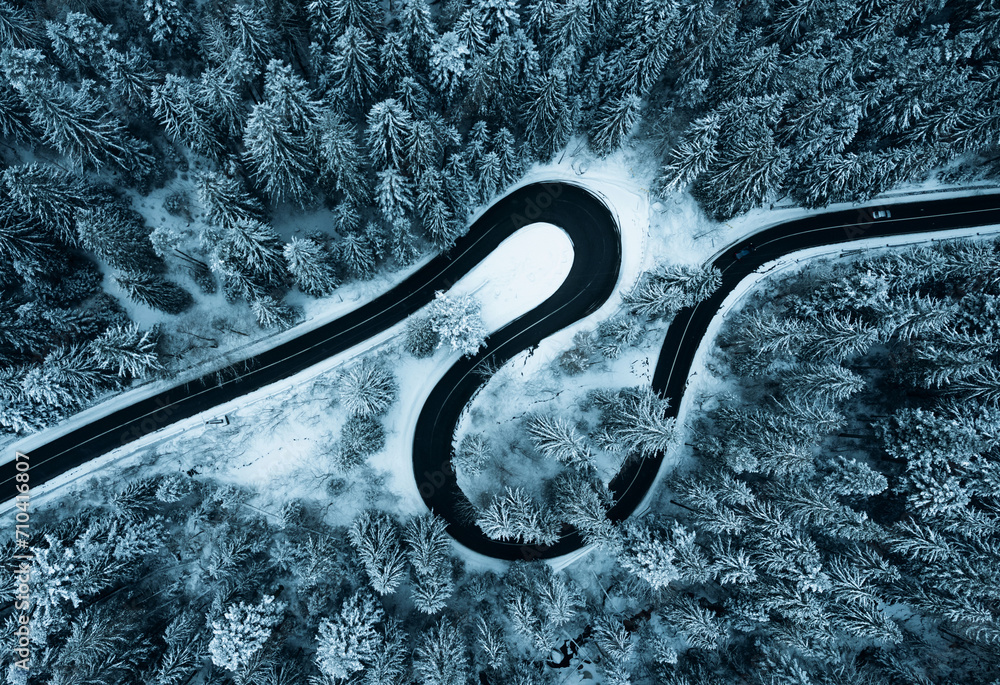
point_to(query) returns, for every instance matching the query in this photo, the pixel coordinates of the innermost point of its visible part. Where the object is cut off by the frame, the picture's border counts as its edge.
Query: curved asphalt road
(592, 278)
(440, 414)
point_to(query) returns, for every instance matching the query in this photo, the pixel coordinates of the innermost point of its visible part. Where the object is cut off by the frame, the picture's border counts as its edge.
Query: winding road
(593, 231)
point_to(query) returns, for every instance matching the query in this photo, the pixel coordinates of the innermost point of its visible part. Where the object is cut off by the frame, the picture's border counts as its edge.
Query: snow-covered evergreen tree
(613, 123)
(350, 639)
(634, 421)
(367, 388)
(457, 322)
(226, 201)
(49, 195)
(376, 538)
(514, 516)
(127, 351)
(357, 255)
(280, 157)
(311, 266)
(558, 439)
(441, 657)
(389, 128)
(473, 453)
(243, 631)
(448, 62)
(272, 313)
(154, 291)
(352, 67)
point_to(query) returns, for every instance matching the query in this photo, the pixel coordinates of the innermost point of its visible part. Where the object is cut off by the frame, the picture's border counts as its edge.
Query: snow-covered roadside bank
(274, 434)
(702, 385)
(318, 313)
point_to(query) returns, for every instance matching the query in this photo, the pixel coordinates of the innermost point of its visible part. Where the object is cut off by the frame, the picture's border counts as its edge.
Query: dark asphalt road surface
(597, 256)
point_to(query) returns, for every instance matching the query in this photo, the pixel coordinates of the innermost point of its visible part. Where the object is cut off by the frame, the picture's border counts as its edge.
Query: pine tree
(127, 351)
(167, 23)
(349, 640)
(473, 454)
(357, 255)
(417, 28)
(290, 96)
(491, 642)
(272, 313)
(48, 195)
(79, 41)
(22, 243)
(511, 164)
(646, 551)
(280, 158)
(221, 97)
(393, 196)
(458, 186)
(617, 333)
(635, 422)
(253, 250)
(243, 631)
(376, 538)
(341, 160)
(353, 68)
(226, 202)
(154, 291)
(252, 34)
(67, 377)
(117, 235)
(570, 28)
(76, 124)
(822, 383)
(17, 30)
(427, 548)
(749, 169)
(613, 123)
(311, 267)
(389, 127)
(448, 61)
(514, 516)
(852, 478)
(393, 60)
(548, 114)
(558, 439)
(183, 117)
(583, 502)
(458, 322)
(701, 627)
(441, 657)
(367, 388)
(15, 124)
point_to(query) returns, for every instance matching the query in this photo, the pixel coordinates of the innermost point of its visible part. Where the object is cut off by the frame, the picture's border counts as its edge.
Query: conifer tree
(118, 235)
(389, 127)
(154, 291)
(441, 658)
(127, 351)
(357, 255)
(311, 267)
(280, 157)
(376, 538)
(613, 123)
(226, 202)
(367, 388)
(272, 313)
(349, 640)
(548, 115)
(353, 67)
(243, 631)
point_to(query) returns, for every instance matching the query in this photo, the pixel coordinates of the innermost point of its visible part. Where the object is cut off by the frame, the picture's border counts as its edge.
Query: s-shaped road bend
(593, 230)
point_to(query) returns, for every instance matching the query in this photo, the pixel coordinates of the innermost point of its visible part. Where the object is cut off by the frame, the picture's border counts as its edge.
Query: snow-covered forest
(397, 119)
(178, 177)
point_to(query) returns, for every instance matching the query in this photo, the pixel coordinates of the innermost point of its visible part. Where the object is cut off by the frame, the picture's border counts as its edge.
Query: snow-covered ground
(278, 437)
